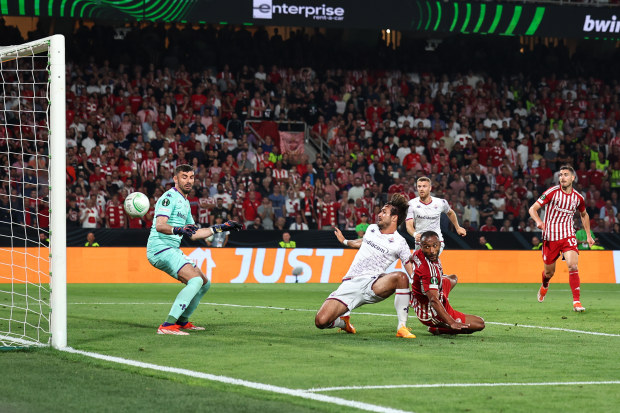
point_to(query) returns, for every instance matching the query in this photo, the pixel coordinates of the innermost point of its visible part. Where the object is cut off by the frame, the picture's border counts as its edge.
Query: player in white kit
(425, 211)
(366, 281)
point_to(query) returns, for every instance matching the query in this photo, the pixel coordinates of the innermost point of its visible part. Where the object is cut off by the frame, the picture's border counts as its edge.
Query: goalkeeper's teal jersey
(176, 207)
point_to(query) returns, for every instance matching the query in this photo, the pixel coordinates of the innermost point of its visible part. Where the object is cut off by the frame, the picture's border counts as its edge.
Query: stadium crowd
(491, 143)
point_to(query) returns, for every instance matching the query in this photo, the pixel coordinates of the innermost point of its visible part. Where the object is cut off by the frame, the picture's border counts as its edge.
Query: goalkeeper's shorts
(170, 261)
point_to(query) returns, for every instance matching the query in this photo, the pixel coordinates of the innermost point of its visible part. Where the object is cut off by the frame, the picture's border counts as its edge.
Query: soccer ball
(137, 204)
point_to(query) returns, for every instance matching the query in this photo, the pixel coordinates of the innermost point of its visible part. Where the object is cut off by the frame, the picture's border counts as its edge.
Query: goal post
(33, 297)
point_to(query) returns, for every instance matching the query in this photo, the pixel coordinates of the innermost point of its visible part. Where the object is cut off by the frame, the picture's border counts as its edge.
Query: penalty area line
(238, 382)
(412, 386)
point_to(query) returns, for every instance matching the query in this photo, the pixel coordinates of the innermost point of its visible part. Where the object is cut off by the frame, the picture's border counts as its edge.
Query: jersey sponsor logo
(425, 217)
(182, 216)
(165, 202)
(377, 247)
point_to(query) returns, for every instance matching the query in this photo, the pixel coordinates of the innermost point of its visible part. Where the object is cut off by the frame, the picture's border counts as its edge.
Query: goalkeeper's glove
(187, 230)
(227, 226)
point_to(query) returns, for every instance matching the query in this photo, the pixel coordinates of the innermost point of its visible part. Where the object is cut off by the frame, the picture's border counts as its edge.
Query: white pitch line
(566, 330)
(238, 382)
(411, 386)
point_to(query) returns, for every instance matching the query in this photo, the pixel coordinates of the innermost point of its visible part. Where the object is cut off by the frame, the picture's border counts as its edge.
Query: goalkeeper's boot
(541, 293)
(171, 329)
(348, 327)
(578, 307)
(405, 332)
(190, 326)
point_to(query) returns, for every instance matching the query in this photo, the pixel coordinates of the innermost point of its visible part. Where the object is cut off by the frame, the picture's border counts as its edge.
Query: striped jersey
(377, 253)
(426, 276)
(560, 209)
(426, 217)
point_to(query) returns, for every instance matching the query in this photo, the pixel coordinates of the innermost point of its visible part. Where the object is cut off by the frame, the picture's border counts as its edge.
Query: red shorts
(446, 286)
(551, 250)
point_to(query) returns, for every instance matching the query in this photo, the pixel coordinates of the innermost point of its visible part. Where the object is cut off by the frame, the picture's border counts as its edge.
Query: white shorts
(443, 244)
(356, 292)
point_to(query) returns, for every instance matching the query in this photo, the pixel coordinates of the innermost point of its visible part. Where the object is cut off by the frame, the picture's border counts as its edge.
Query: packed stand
(490, 145)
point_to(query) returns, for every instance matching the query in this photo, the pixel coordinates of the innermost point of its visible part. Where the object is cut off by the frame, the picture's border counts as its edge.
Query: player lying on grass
(561, 202)
(173, 220)
(430, 290)
(366, 281)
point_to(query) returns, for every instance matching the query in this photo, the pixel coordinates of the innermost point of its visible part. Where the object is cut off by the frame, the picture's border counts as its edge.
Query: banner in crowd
(428, 16)
(292, 143)
(276, 265)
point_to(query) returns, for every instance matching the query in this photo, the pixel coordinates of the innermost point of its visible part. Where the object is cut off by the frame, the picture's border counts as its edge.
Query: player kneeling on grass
(430, 290)
(366, 281)
(173, 220)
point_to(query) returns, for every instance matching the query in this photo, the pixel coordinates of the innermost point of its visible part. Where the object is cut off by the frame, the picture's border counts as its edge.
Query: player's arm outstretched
(455, 221)
(202, 233)
(161, 225)
(433, 298)
(355, 243)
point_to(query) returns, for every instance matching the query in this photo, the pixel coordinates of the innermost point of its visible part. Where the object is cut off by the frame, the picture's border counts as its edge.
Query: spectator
(90, 240)
(488, 226)
(286, 241)
(484, 243)
(362, 226)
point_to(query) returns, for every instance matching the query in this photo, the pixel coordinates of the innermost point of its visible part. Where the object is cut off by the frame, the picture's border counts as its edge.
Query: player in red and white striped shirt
(430, 290)
(561, 201)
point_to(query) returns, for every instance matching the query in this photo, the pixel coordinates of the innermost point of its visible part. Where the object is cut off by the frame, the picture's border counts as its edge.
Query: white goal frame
(55, 46)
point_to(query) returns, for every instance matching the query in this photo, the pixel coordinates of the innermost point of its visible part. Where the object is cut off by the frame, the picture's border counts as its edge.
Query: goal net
(32, 194)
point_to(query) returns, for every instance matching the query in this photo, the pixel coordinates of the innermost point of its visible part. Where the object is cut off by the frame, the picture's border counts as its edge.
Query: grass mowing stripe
(412, 386)
(566, 330)
(238, 382)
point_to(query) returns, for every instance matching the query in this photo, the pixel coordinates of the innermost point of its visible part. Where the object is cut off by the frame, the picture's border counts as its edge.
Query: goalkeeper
(173, 220)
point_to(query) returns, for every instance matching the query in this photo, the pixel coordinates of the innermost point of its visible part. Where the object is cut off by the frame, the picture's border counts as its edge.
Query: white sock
(401, 304)
(339, 323)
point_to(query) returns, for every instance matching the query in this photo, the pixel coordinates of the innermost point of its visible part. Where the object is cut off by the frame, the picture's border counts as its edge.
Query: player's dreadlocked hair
(399, 207)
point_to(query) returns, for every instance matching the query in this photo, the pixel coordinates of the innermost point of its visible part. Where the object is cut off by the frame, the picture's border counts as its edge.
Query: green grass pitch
(265, 334)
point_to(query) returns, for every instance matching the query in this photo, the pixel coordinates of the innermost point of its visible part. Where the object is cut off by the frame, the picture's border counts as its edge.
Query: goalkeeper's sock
(183, 299)
(401, 304)
(193, 304)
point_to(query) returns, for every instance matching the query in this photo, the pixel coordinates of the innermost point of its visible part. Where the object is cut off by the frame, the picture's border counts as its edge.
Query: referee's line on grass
(304, 394)
(566, 330)
(439, 385)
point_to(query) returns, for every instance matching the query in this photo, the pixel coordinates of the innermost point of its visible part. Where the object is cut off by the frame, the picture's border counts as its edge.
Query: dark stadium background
(533, 51)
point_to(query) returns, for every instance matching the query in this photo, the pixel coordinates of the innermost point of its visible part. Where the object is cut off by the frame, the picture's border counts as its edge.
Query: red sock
(545, 280)
(573, 280)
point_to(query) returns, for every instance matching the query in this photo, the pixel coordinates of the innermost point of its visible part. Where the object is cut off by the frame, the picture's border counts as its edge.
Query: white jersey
(377, 253)
(426, 217)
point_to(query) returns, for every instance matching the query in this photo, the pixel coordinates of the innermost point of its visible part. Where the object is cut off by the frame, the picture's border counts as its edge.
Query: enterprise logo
(265, 9)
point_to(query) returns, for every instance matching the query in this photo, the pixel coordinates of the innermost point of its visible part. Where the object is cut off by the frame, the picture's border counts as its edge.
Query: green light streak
(22, 8)
(4, 7)
(483, 9)
(467, 17)
(428, 18)
(248, 24)
(516, 15)
(419, 15)
(62, 8)
(50, 8)
(176, 13)
(156, 13)
(438, 16)
(36, 7)
(540, 12)
(498, 15)
(456, 16)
